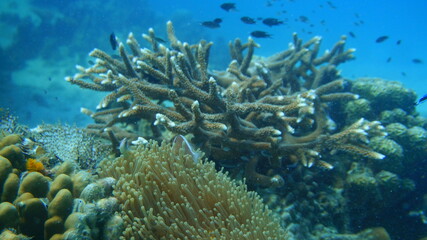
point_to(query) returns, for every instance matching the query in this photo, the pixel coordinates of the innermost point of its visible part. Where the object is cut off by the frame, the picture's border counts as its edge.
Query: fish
(403, 74)
(272, 22)
(331, 5)
(212, 24)
(113, 41)
(352, 34)
(260, 34)
(303, 19)
(421, 100)
(248, 20)
(181, 142)
(389, 59)
(417, 61)
(160, 40)
(381, 39)
(398, 42)
(228, 6)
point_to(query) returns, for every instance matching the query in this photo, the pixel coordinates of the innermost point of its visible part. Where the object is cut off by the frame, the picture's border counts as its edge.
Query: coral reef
(277, 105)
(37, 202)
(308, 141)
(71, 144)
(165, 193)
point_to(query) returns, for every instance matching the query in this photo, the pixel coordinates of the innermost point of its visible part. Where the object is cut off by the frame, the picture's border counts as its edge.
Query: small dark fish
(352, 34)
(272, 22)
(389, 59)
(331, 5)
(160, 40)
(421, 100)
(303, 19)
(212, 24)
(248, 20)
(113, 41)
(403, 74)
(228, 6)
(417, 61)
(91, 62)
(50, 79)
(398, 42)
(381, 39)
(260, 34)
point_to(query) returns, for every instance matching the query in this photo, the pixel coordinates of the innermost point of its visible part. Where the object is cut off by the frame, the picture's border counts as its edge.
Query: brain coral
(165, 194)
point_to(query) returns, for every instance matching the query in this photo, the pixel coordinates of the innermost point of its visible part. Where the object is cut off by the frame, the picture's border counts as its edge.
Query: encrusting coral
(277, 105)
(165, 193)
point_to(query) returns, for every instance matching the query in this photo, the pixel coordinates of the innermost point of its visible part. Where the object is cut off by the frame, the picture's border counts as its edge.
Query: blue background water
(41, 41)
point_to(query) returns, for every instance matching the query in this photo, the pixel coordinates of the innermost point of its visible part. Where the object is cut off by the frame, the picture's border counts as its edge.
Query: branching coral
(277, 105)
(165, 194)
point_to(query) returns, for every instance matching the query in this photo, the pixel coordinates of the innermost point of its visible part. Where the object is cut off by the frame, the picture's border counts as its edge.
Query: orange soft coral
(35, 166)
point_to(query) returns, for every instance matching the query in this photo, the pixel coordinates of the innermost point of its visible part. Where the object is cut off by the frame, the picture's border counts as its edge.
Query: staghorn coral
(165, 194)
(278, 105)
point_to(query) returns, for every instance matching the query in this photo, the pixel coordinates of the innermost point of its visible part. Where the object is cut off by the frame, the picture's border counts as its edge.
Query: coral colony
(277, 105)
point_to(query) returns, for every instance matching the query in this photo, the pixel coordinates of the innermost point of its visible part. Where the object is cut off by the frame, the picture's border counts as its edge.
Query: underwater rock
(9, 217)
(36, 184)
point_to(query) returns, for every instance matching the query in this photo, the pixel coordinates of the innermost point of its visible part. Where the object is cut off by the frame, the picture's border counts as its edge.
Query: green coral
(395, 115)
(391, 149)
(396, 131)
(360, 108)
(386, 95)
